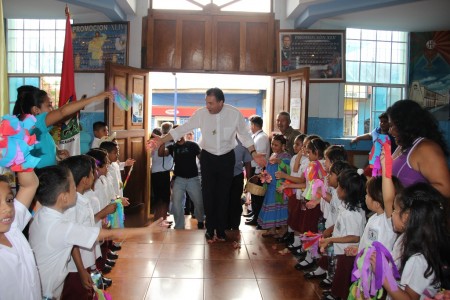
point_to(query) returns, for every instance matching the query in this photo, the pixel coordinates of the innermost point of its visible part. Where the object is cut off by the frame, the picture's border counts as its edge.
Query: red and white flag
(70, 129)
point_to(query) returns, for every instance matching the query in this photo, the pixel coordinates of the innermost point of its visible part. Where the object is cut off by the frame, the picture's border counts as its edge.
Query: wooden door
(131, 134)
(287, 87)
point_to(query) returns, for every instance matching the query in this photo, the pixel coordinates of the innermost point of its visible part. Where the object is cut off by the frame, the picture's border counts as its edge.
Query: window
(376, 76)
(35, 51)
(262, 6)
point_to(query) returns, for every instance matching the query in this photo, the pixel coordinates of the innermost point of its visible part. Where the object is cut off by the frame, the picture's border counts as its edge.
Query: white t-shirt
(83, 214)
(413, 272)
(347, 223)
(378, 228)
(96, 142)
(333, 209)
(52, 238)
(19, 277)
(262, 145)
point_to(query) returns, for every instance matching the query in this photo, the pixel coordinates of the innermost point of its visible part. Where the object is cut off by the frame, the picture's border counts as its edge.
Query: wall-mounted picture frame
(323, 51)
(96, 43)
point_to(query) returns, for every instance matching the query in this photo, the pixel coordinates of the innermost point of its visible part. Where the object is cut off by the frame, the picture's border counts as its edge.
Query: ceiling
(403, 15)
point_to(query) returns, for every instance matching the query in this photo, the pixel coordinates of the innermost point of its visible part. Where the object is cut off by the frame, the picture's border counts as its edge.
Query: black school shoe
(209, 236)
(112, 255)
(221, 237)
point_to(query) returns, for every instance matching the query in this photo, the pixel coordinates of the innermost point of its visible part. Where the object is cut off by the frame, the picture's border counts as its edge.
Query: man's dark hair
(216, 92)
(98, 125)
(257, 120)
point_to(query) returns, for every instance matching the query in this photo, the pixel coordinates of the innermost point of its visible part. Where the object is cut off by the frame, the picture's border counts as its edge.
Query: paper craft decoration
(121, 100)
(368, 283)
(382, 142)
(315, 174)
(310, 241)
(16, 142)
(116, 219)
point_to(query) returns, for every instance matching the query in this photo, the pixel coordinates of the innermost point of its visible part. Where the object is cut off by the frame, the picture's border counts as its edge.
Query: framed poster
(96, 43)
(322, 51)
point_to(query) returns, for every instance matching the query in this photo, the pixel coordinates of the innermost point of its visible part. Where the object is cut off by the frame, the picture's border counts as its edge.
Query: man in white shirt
(262, 145)
(219, 123)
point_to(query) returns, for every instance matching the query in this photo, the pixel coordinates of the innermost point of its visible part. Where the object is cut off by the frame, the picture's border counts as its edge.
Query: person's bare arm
(163, 151)
(388, 189)
(429, 159)
(366, 136)
(123, 233)
(108, 209)
(85, 277)
(28, 184)
(68, 109)
(248, 169)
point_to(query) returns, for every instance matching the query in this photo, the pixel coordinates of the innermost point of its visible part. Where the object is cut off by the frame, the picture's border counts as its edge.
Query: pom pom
(116, 219)
(16, 142)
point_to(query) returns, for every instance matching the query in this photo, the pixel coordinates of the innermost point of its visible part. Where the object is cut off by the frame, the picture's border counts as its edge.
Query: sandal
(326, 283)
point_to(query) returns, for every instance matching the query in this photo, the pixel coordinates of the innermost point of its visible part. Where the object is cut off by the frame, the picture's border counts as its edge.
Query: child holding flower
(274, 210)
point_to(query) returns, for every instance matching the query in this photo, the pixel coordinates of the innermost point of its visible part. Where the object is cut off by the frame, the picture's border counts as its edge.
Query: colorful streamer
(368, 283)
(121, 100)
(116, 219)
(128, 177)
(16, 143)
(382, 142)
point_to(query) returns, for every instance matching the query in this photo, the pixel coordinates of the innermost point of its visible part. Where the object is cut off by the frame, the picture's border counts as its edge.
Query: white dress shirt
(218, 130)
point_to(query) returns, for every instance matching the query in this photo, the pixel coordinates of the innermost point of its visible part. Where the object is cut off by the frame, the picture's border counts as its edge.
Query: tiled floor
(180, 264)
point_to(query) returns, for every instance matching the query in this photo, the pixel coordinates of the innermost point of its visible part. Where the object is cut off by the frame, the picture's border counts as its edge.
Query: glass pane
(31, 63)
(61, 24)
(31, 24)
(353, 33)
(47, 24)
(398, 74)
(58, 63)
(15, 23)
(399, 53)
(383, 73)
(368, 51)
(31, 40)
(367, 72)
(51, 85)
(60, 36)
(174, 4)
(399, 36)
(15, 62)
(47, 62)
(352, 71)
(383, 52)
(34, 81)
(383, 35)
(47, 41)
(14, 83)
(262, 6)
(15, 40)
(395, 95)
(369, 34)
(380, 96)
(353, 50)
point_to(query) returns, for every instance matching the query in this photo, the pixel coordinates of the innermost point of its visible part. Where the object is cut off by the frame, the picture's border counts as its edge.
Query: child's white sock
(290, 229)
(297, 242)
(308, 259)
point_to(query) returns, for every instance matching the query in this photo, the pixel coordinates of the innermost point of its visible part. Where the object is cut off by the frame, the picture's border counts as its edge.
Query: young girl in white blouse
(348, 229)
(421, 252)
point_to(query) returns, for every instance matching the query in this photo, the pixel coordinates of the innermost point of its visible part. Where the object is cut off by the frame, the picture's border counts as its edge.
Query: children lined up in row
(416, 212)
(63, 234)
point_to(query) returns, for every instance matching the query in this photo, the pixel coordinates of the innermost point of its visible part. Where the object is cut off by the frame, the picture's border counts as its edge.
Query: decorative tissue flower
(265, 177)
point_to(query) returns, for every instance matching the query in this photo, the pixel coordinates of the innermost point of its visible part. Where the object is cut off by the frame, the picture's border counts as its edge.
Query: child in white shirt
(19, 277)
(52, 236)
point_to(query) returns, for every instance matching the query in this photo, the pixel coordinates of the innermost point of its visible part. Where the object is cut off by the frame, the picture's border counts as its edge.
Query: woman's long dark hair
(27, 97)
(426, 230)
(413, 121)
